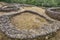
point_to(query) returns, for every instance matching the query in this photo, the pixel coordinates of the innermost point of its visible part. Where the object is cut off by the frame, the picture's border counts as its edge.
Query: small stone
(46, 37)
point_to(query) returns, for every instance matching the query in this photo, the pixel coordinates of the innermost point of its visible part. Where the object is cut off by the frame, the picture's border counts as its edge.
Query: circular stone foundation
(53, 13)
(47, 30)
(23, 31)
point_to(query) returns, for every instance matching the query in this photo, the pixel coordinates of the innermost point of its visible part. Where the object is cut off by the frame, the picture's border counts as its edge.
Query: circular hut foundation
(53, 13)
(33, 26)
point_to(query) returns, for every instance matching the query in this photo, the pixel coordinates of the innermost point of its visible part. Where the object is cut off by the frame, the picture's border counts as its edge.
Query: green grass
(47, 3)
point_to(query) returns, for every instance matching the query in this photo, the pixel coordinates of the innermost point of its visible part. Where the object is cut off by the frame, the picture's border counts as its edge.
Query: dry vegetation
(28, 21)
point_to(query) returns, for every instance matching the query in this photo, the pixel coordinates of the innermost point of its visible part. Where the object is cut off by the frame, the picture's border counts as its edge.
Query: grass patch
(46, 3)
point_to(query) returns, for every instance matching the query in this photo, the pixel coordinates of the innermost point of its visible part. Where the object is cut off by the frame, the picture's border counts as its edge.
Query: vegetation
(46, 3)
